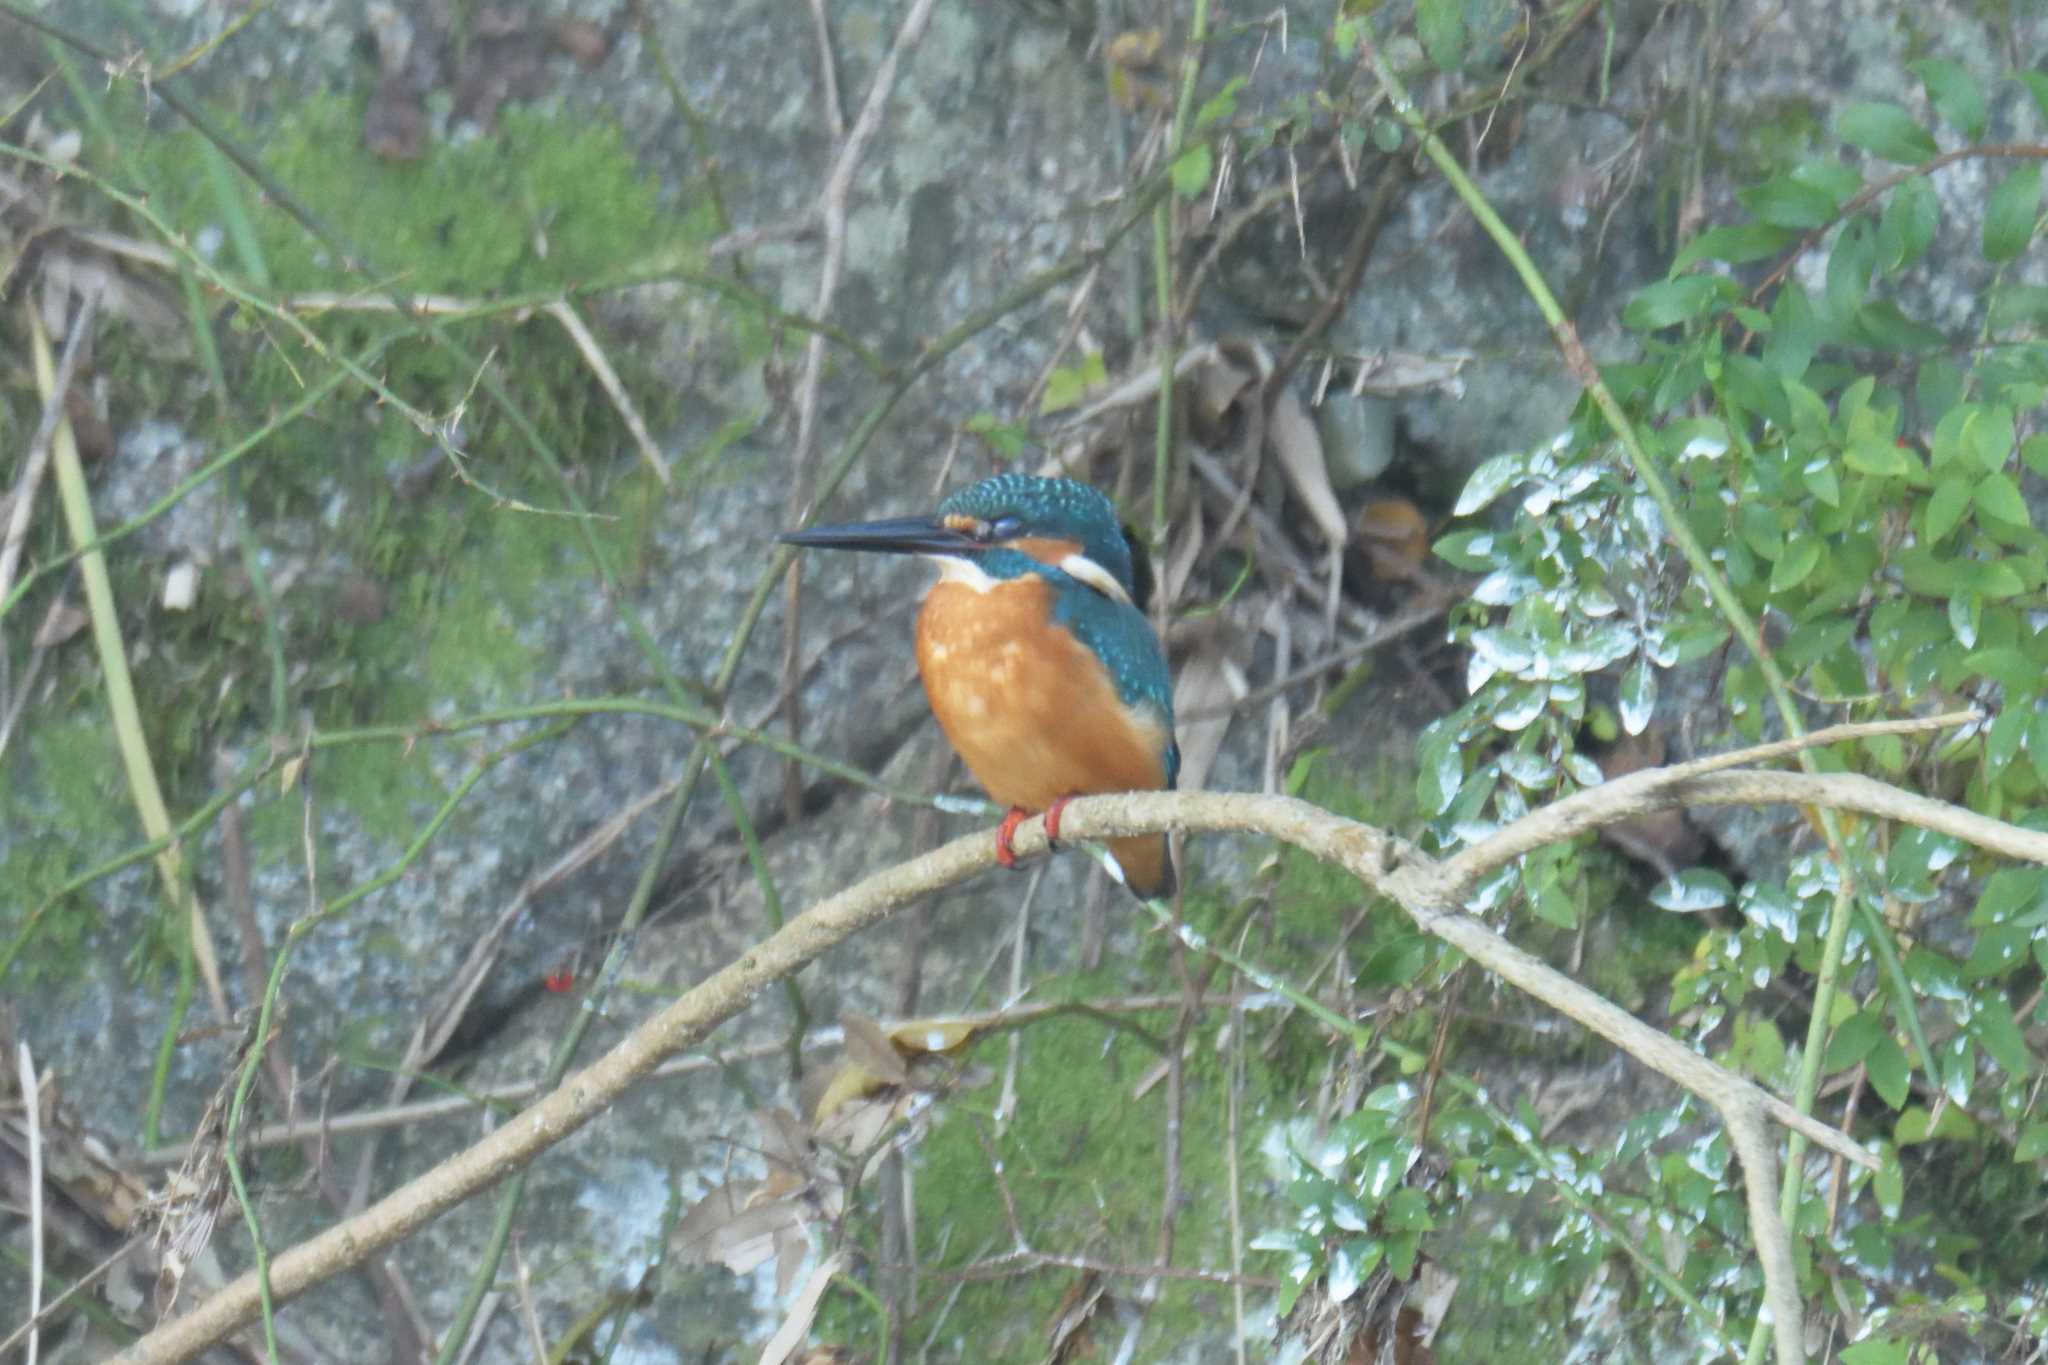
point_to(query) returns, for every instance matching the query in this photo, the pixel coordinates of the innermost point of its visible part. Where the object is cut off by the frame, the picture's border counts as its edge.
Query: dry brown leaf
(723, 1226)
(796, 1325)
(1069, 1335)
(1209, 682)
(869, 1048)
(1182, 557)
(1292, 438)
(60, 623)
(936, 1037)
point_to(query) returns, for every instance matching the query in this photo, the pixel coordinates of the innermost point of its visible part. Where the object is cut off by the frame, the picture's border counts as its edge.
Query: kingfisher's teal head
(1059, 522)
(1034, 648)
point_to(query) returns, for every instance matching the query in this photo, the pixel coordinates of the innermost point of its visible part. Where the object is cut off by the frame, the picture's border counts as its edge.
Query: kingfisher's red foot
(1052, 821)
(1007, 831)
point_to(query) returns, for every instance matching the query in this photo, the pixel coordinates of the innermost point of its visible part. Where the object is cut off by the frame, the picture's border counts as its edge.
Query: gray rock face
(996, 155)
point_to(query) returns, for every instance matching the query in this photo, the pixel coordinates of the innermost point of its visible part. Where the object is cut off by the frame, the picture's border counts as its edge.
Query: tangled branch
(1428, 889)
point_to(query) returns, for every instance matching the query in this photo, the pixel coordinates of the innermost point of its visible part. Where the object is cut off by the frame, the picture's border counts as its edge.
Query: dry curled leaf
(1292, 438)
(796, 1324)
(1210, 684)
(1070, 1335)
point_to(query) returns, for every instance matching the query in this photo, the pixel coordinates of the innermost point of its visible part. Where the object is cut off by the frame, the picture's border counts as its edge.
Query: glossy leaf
(1493, 477)
(1637, 697)
(1994, 1027)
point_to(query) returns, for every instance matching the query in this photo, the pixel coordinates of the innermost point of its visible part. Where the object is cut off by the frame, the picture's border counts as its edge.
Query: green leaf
(1006, 439)
(2037, 755)
(1795, 333)
(1067, 384)
(1997, 951)
(1735, 243)
(1919, 1125)
(1994, 1027)
(1440, 24)
(1965, 613)
(1954, 93)
(1493, 477)
(1821, 481)
(1885, 1064)
(2037, 86)
(2034, 454)
(2016, 307)
(1884, 325)
(1945, 508)
(1885, 130)
(1801, 557)
(1191, 171)
(1880, 459)
(1938, 389)
(1988, 435)
(1879, 1351)
(1998, 497)
(1784, 202)
(1442, 767)
(1220, 105)
(1850, 266)
(1387, 134)
(1472, 551)
(1852, 1042)
(1906, 229)
(1397, 962)
(2032, 1144)
(1889, 1184)
(2010, 213)
(1670, 302)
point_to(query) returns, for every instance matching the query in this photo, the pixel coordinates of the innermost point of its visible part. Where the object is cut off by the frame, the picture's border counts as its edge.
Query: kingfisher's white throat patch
(954, 569)
(967, 573)
(1095, 576)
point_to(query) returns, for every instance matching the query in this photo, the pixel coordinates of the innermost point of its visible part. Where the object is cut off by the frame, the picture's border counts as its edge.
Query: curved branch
(1426, 888)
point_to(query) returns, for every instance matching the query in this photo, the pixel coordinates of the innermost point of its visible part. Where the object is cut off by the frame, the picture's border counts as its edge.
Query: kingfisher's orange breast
(1030, 709)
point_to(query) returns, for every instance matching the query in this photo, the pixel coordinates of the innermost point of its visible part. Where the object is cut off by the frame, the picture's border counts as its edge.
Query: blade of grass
(121, 702)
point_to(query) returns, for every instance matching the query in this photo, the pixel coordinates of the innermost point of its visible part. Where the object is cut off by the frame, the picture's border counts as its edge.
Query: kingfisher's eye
(1003, 528)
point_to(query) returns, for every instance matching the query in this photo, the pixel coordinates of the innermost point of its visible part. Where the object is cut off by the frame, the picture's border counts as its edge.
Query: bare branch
(1424, 887)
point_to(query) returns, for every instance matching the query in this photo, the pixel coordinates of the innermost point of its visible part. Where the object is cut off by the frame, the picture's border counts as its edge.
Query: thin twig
(32, 1103)
(608, 379)
(37, 460)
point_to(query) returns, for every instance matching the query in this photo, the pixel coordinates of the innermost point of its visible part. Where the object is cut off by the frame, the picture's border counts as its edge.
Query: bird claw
(1052, 821)
(1007, 831)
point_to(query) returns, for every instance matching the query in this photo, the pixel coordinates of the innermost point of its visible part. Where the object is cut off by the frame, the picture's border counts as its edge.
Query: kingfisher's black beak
(896, 536)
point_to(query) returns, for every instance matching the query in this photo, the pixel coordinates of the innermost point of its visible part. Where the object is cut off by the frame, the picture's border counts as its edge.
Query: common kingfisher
(1035, 652)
